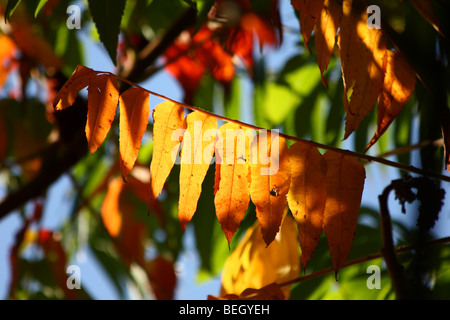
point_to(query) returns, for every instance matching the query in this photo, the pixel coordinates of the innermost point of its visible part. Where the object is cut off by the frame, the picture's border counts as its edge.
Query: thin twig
(395, 269)
(406, 149)
(292, 138)
(400, 249)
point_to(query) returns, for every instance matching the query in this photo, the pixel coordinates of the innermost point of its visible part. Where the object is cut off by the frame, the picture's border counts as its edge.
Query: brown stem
(395, 269)
(373, 256)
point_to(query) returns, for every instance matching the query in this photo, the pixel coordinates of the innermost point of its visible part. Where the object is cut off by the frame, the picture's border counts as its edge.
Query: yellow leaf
(79, 79)
(325, 34)
(399, 84)
(197, 152)
(168, 117)
(253, 265)
(270, 179)
(134, 112)
(232, 194)
(307, 195)
(345, 183)
(103, 97)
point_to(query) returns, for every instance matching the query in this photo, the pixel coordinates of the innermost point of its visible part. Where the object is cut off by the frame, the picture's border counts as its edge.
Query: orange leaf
(232, 194)
(197, 152)
(254, 265)
(325, 34)
(81, 78)
(251, 22)
(7, 52)
(399, 84)
(161, 274)
(34, 46)
(363, 58)
(345, 183)
(103, 97)
(168, 117)
(111, 216)
(349, 44)
(369, 82)
(309, 13)
(307, 195)
(134, 112)
(118, 217)
(270, 178)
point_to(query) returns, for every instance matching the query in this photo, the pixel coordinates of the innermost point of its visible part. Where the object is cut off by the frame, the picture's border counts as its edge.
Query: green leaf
(40, 5)
(279, 101)
(232, 100)
(10, 7)
(107, 16)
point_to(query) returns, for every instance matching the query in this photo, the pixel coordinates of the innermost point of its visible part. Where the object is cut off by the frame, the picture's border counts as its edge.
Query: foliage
(142, 174)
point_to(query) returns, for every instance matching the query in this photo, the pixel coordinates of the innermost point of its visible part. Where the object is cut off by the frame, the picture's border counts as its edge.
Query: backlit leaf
(363, 59)
(345, 183)
(270, 179)
(307, 195)
(134, 112)
(325, 33)
(349, 45)
(197, 152)
(254, 265)
(369, 81)
(161, 273)
(168, 117)
(103, 97)
(7, 52)
(81, 78)
(232, 194)
(118, 216)
(399, 84)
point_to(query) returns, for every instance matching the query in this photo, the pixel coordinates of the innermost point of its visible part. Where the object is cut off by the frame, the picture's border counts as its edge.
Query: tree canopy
(295, 152)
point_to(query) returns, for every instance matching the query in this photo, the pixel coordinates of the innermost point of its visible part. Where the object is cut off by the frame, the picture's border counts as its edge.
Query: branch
(63, 158)
(292, 138)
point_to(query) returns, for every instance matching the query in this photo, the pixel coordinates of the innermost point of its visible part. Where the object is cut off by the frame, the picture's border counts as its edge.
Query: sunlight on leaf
(255, 265)
(103, 97)
(345, 183)
(134, 112)
(197, 153)
(168, 117)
